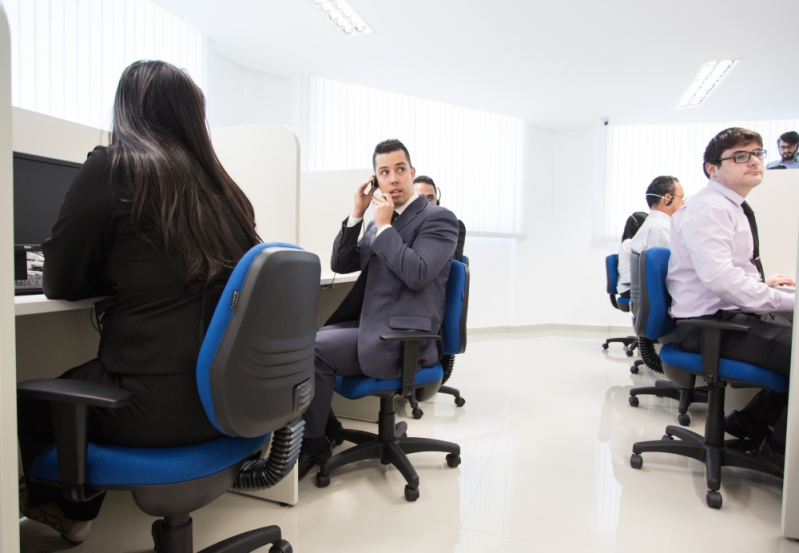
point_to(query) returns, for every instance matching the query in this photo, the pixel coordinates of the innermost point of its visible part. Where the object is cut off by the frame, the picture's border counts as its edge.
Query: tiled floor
(546, 436)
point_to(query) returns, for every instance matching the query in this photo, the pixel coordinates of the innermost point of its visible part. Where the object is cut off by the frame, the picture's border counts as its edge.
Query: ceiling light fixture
(342, 16)
(710, 76)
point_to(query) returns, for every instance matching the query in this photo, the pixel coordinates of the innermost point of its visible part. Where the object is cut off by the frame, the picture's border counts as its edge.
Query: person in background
(424, 186)
(715, 273)
(154, 222)
(631, 227)
(788, 144)
(664, 196)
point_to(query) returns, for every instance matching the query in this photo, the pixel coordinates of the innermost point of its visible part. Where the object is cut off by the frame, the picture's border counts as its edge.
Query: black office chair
(622, 304)
(662, 388)
(254, 374)
(683, 368)
(391, 444)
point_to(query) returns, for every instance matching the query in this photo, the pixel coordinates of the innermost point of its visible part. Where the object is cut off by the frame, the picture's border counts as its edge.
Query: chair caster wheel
(411, 494)
(667, 438)
(634, 369)
(629, 352)
(453, 460)
(401, 430)
(281, 547)
(604, 346)
(460, 402)
(684, 420)
(633, 401)
(713, 499)
(322, 481)
(417, 413)
(636, 461)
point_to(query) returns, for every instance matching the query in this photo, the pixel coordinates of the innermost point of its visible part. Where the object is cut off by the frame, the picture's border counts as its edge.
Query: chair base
(391, 446)
(459, 401)
(710, 449)
(174, 535)
(664, 388)
(630, 343)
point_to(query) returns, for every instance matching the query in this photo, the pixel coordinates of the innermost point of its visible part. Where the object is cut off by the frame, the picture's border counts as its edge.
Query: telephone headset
(668, 201)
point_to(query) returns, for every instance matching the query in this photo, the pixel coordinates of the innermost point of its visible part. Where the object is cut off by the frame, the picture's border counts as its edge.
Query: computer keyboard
(32, 285)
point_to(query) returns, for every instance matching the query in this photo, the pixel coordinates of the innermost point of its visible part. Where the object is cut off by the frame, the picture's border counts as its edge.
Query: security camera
(605, 121)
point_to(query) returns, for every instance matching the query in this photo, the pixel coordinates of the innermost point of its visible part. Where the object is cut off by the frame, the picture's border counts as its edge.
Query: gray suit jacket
(402, 285)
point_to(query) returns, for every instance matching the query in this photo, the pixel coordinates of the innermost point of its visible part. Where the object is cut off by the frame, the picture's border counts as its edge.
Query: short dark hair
(661, 186)
(425, 179)
(388, 146)
(633, 223)
(790, 137)
(726, 139)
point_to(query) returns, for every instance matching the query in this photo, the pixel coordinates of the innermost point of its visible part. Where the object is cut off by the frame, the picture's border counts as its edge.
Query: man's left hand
(384, 209)
(780, 280)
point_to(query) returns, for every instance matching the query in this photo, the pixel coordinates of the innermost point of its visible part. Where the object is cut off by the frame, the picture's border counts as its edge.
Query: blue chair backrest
(255, 368)
(453, 328)
(652, 318)
(612, 273)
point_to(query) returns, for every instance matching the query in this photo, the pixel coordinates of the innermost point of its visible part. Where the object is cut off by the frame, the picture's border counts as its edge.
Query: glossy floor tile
(546, 436)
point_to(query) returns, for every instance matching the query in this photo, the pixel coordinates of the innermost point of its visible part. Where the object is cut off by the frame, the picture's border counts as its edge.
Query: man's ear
(711, 170)
(413, 173)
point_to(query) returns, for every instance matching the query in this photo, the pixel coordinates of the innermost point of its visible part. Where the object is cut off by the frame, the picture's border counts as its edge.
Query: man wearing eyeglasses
(715, 273)
(788, 144)
(664, 196)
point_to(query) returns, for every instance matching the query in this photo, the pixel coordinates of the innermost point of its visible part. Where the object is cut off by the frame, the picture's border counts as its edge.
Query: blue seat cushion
(109, 465)
(623, 301)
(728, 369)
(353, 387)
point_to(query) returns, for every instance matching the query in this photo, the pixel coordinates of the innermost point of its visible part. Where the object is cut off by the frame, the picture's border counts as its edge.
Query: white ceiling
(557, 64)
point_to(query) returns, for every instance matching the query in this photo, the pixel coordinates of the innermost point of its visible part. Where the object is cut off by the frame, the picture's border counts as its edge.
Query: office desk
(52, 336)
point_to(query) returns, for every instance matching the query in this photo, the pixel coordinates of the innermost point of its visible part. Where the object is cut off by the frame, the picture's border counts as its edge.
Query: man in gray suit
(404, 259)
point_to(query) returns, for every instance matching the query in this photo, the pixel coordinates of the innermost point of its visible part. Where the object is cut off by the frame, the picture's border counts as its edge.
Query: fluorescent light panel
(342, 16)
(709, 77)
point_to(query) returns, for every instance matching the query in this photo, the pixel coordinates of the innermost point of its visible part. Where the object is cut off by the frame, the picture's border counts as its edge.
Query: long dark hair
(633, 223)
(163, 164)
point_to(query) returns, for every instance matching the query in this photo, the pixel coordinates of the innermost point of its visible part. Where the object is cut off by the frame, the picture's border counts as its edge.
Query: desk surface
(38, 303)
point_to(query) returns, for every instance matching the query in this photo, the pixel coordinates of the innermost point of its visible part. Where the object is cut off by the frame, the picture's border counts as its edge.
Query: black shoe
(771, 458)
(743, 426)
(308, 461)
(331, 429)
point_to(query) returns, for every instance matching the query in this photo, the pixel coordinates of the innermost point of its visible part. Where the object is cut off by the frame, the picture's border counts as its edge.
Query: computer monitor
(40, 184)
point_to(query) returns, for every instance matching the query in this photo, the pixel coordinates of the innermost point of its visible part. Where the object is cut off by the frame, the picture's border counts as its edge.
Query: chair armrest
(70, 401)
(65, 390)
(409, 336)
(712, 332)
(410, 355)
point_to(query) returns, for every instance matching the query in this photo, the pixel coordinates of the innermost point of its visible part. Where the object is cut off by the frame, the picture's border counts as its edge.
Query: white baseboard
(623, 330)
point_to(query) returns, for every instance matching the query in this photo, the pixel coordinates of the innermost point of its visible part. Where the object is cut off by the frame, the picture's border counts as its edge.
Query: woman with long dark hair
(156, 224)
(632, 225)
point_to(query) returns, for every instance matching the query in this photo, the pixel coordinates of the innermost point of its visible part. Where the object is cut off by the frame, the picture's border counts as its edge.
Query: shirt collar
(659, 214)
(404, 206)
(731, 195)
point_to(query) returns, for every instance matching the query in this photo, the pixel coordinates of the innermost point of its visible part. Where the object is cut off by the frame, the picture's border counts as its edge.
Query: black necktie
(750, 215)
(394, 217)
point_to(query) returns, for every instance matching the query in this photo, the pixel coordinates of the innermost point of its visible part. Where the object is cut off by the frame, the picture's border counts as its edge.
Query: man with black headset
(424, 186)
(664, 197)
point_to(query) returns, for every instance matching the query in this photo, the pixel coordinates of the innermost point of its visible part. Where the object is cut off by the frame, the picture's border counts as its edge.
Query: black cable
(331, 282)
(646, 348)
(260, 474)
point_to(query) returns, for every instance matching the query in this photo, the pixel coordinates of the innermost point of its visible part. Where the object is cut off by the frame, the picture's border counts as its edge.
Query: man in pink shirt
(715, 272)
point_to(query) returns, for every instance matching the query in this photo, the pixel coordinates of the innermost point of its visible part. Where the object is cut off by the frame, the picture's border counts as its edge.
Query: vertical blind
(636, 154)
(474, 156)
(67, 55)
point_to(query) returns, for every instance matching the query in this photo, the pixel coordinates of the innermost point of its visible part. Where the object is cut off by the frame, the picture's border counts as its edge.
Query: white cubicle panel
(42, 135)
(326, 199)
(776, 206)
(790, 485)
(9, 502)
(264, 160)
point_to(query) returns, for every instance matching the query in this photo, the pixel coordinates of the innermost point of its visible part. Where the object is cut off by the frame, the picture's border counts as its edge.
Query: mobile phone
(374, 182)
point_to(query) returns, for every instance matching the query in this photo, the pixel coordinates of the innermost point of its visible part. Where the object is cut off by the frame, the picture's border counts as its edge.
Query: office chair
(448, 364)
(254, 374)
(622, 304)
(391, 444)
(646, 346)
(682, 368)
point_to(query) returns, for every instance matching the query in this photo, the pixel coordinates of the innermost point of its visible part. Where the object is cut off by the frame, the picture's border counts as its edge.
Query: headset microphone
(438, 195)
(668, 201)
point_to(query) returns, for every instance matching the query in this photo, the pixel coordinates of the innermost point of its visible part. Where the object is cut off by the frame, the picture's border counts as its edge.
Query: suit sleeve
(347, 249)
(74, 254)
(433, 247)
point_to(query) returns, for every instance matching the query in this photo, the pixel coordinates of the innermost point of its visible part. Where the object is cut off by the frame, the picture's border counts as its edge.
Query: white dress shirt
(654, 233)
(711, 265)
(624, 267)
(352, 221)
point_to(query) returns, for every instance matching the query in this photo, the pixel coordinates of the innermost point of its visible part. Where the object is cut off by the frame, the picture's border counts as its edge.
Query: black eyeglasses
(744, 157)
